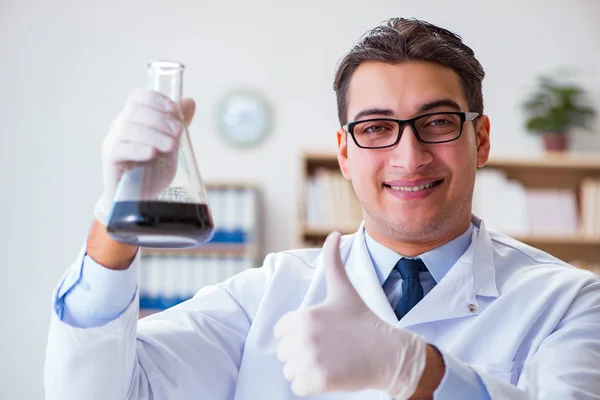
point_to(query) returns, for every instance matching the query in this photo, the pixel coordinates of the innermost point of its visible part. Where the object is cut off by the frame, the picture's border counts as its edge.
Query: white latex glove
(149, 126)
(341, 345)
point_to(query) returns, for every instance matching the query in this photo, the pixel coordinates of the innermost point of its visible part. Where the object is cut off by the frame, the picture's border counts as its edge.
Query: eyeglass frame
(402, 123)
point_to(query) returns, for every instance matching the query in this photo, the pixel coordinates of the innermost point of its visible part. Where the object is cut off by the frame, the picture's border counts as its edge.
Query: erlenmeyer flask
(162, 203)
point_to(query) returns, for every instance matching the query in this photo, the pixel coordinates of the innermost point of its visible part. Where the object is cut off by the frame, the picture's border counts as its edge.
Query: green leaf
(556, 107)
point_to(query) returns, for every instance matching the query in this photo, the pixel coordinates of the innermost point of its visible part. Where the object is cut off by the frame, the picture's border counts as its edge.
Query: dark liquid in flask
(160, 224)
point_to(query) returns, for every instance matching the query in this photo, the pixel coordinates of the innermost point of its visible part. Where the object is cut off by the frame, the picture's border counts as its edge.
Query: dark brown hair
(399, 40)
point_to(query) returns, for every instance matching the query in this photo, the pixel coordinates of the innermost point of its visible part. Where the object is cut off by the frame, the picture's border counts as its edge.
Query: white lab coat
(502, 307)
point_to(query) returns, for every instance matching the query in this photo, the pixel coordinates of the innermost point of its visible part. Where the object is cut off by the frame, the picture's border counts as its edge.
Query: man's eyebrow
(439, 103)
(374, 111)
(386, 112)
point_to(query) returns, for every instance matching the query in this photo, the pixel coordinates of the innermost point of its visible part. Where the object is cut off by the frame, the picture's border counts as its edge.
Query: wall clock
(244, 118)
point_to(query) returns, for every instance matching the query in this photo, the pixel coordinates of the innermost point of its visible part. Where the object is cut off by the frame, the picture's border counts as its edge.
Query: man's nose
(409, 153)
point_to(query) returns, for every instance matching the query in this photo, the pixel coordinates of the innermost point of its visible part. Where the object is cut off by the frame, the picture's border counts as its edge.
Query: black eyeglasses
(379, 133)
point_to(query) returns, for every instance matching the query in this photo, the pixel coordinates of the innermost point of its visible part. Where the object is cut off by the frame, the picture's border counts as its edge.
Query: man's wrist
(432, 374)
(108, 252)
(406, 357)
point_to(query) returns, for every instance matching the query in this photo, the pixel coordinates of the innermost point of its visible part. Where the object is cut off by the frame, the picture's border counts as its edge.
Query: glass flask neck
(166, 77)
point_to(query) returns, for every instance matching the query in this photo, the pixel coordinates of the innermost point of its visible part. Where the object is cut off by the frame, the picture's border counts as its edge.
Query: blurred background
(67, 68)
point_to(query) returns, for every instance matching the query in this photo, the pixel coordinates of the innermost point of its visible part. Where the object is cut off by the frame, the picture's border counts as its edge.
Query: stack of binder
(171, 277)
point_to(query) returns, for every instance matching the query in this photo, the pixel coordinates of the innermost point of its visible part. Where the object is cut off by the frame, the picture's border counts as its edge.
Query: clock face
(244, 118)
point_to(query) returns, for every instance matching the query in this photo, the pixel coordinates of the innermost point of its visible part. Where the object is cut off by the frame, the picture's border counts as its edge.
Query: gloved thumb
(188, 107)
(338, 283)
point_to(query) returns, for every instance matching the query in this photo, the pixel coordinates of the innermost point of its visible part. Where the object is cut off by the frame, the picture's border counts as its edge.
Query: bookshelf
(550, 171)
(170, 276)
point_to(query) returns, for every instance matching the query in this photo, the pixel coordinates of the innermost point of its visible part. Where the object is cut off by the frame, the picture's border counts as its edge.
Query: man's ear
(483, 140)
(342, 154)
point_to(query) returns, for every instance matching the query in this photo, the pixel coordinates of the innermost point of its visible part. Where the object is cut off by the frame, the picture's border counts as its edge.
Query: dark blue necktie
(412, 291)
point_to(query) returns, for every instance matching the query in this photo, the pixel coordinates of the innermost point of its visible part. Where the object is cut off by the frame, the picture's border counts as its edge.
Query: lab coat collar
(362, 274)
(484, 270)
(454, 296)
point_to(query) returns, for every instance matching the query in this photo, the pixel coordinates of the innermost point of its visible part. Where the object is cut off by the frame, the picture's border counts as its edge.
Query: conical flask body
(162, 203)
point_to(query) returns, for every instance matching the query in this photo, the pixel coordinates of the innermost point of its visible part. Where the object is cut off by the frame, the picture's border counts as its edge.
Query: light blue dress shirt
(92, 295)
(438, 262)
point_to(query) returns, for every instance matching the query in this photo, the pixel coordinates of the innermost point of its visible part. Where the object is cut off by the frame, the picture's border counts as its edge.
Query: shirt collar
(438, 261)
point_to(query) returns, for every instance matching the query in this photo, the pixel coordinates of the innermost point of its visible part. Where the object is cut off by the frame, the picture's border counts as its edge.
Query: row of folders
(234, 211)
(508, 206)
(169, 280)
(330, 201)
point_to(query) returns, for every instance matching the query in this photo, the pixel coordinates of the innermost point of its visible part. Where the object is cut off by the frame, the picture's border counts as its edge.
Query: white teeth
(412, 188)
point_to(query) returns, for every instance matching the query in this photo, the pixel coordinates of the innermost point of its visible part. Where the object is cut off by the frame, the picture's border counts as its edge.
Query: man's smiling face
(385, 179)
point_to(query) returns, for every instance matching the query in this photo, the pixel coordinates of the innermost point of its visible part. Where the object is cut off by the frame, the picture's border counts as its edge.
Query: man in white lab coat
(421, 302)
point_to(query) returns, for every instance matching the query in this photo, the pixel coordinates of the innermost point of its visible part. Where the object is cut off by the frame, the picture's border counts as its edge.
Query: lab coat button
(472, 308)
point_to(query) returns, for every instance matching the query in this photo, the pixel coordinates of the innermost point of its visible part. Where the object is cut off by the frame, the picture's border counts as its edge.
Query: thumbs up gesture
(341, 345)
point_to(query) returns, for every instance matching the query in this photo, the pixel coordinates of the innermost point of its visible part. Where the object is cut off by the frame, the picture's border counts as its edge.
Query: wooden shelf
(579, 240)
(320, 160)
(549, 161)
(323, 157)
(230, 185)
(225, 249)
(323, 231)
(563, 171)
(566, 248)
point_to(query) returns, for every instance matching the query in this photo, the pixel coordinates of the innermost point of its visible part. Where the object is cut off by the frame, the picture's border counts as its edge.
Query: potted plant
(554, 109)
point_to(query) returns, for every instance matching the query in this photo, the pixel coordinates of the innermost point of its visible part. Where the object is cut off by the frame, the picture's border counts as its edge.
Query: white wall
(66, 69)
